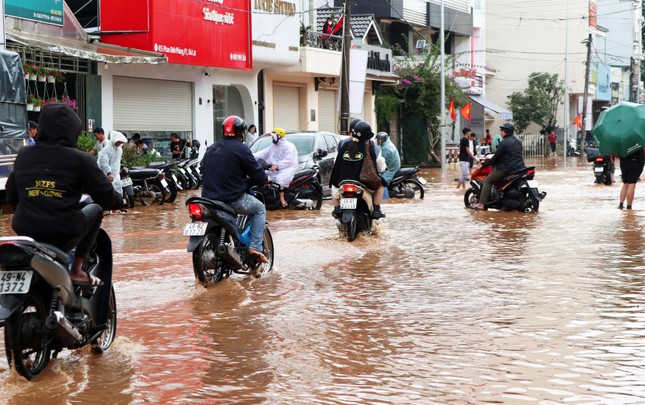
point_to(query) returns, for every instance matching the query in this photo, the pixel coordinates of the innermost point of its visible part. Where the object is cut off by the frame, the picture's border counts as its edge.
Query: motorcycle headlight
(300, 166)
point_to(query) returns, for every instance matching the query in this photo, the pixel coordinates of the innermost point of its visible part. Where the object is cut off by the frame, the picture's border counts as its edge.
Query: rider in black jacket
(46, 186)
(507, 159)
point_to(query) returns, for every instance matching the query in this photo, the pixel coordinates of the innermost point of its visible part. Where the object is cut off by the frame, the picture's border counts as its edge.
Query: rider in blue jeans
(228, 166)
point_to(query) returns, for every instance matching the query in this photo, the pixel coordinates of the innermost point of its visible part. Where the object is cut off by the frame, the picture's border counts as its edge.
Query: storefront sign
(378, 59)
(213, 33)
(46, 11)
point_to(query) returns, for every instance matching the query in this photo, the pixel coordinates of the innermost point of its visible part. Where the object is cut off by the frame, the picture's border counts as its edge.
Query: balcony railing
(315, 39)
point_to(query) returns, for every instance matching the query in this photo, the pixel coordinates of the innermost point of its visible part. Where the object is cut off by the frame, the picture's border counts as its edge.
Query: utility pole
(344, 74)
(567, 120)
(442, 122)
(584, 98)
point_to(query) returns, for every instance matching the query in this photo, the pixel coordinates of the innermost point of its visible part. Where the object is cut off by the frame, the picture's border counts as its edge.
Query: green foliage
(132, 158)
(538, 103)
(420, 91)
(85, 142)
(386, 106)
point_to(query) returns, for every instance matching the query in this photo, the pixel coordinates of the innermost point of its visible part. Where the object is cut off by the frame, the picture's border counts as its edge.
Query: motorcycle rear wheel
(471, 198)
(351, 228)
(25, 337)
(104, 341)
(533, 203)
(172, 195)
(208, 267)
(414, 186)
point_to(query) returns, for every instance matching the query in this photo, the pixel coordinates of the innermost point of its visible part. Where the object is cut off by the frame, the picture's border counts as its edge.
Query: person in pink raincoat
(282, 155)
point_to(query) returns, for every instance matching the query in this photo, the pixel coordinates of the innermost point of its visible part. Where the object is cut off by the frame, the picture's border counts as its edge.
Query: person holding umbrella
(631, 168)
(620, 131)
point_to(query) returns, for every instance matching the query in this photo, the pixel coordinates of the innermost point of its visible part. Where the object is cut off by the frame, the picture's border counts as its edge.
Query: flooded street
(442, 305)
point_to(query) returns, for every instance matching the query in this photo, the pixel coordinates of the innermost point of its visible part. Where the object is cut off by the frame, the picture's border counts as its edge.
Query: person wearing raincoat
(109, 160)
(282, 155)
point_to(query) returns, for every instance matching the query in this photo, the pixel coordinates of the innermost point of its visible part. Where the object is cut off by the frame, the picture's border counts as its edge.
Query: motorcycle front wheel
(208, 267)
(172, 195)
(532, 203)
(26, 340)
(104, 341)
(268, 252)
(471, 198)
(154, 195)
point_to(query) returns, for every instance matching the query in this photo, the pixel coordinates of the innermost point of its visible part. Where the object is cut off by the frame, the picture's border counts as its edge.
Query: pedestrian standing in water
(631, 167)
(465, 155)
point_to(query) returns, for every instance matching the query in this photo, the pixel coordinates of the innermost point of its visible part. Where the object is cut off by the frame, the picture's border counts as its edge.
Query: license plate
(348, 203)
(126, 182)
(423, 181)
(182, 171)
(532, 183)
(198, 170)
(598, 169)
(164, 183)
(15, 282)
(195, 228)
(175, 178)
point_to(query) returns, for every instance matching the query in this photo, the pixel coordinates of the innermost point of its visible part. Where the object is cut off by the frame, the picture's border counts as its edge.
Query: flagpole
(442, 39)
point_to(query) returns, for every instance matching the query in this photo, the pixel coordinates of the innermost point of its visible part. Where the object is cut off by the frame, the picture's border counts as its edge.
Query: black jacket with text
(49, 177)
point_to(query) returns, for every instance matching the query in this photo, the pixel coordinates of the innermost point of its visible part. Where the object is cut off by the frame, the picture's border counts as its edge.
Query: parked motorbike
(517, 191)
(304, 191)
(149, 185)
(356, 209)
(603, 166)
(407, 184)
(169, 176)
(43, 312)
(186, 174)
(219, 241)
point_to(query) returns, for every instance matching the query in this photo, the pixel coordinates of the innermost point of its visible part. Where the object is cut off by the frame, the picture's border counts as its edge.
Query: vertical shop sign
(45, 11)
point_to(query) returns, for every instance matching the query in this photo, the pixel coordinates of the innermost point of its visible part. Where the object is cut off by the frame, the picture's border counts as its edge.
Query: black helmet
(352, 124)
(363, 131)
(382, 136)
(233, 126)
(508, 128)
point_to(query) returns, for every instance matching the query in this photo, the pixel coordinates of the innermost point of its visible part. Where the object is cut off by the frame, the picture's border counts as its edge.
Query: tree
(538, 103)
(419, 96)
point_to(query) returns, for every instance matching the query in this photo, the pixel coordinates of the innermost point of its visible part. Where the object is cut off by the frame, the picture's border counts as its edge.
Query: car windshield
(304, 143)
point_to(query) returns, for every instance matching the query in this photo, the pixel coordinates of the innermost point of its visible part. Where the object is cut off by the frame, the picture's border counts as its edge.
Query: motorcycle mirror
(322, 153)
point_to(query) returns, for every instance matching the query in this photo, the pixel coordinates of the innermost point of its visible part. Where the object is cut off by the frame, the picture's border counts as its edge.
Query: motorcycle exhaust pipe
(303, 203)
(62, 329)
(227, 253)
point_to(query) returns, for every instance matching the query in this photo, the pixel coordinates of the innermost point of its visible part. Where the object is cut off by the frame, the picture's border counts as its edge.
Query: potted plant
(33, 73)
(42, 74)
(70, 102)
(30, 102)
(27, 69)
(38, 103)
(60, 76)
(51, 75)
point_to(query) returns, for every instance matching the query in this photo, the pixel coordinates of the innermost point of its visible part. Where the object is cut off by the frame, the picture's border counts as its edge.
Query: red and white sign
(214, 33)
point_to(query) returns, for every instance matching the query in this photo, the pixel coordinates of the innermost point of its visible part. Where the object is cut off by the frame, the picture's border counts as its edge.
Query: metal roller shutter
(159, 105)
(327, 118)
(286, 107)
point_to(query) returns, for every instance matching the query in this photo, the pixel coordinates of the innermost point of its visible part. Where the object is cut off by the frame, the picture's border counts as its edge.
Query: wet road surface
(441, 305)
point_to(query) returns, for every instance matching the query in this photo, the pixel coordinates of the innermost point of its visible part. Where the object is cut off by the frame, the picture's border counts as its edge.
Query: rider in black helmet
(507, 159)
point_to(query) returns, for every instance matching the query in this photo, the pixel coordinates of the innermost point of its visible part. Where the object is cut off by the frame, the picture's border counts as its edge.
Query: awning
(503, 112)
(385, 77)
(97, 52)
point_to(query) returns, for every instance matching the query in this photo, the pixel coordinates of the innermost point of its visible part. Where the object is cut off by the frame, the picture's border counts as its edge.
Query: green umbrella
(620, 130)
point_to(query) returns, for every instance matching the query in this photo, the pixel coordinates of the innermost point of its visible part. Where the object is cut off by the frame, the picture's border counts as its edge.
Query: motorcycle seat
(218, 205)
(143, 172)
(303, 173)
(517, 172)
(406, 171)
(157, 165)
(60, 255)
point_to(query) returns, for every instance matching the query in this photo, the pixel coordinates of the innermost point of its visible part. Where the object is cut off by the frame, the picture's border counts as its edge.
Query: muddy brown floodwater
(441, 305)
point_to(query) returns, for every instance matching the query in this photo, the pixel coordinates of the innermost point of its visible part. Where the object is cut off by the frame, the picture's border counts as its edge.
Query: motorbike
(43, 312)
(149, 185)
(170, 177)
(356, 207)
(304, 191)
(407, 184)
(186, 174)
(516, 191)
(603, 166)
(219, 241)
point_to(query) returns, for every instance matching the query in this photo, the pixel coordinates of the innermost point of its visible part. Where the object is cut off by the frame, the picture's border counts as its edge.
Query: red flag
(338, 25)
(578, 121)
(453, 115)
(466, 111)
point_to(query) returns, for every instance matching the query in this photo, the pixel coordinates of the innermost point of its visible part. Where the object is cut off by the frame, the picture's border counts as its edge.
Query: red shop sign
(213, 33)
